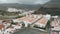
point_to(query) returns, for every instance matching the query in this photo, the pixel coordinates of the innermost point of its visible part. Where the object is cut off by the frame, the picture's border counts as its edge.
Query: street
(30, 31)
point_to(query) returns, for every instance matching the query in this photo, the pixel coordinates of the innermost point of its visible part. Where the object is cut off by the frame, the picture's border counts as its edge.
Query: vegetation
(13, 22)
(20, 16)
(51, 11)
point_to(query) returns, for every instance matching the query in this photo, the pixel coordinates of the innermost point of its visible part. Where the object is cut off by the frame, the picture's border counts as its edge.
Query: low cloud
(25, 1)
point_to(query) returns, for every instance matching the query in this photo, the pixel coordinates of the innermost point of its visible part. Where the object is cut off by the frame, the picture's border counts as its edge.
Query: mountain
(19, 6)
(52, 8)
(53, 4)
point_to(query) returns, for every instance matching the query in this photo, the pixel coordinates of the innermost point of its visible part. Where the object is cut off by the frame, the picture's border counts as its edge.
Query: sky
(25, 1)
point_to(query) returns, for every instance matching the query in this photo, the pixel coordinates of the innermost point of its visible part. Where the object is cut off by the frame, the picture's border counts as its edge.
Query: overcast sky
(25, 1)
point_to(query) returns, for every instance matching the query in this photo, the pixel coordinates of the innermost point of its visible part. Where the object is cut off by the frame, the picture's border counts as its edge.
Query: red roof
(1, 26)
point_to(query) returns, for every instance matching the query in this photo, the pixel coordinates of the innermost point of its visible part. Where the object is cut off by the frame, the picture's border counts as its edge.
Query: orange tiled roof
(23, 18)
(32, 19)
(1, 26)
(42, 21)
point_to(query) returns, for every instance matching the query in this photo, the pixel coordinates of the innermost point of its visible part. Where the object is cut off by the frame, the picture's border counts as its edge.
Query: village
(27, 19)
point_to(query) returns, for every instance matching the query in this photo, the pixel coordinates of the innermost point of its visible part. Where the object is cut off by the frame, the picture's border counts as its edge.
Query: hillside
(53, 4)
(52, 7)
(19, 6)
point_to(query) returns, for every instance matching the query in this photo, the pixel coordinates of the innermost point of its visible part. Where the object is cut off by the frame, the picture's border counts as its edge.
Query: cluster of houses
(18, 10)
(56, 26)
(40, 20)
(14, 10)
(34, 20)
(29, 20)
(7, 28)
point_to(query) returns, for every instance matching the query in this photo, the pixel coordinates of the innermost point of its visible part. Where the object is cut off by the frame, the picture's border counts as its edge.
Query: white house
(12, 10)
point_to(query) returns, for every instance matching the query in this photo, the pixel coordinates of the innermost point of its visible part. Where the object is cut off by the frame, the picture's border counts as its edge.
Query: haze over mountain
(22, 4)
(24, 1)
(53, 4)
(52, 8)
(19, 6)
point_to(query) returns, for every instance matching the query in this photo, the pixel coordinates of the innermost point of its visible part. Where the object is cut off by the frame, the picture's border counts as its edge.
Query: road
(30, 31)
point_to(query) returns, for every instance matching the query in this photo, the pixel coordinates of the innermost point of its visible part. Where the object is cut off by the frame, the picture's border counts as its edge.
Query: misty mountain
(52, 8)
(19, 6)
(53, 4)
